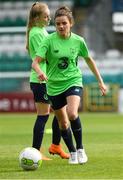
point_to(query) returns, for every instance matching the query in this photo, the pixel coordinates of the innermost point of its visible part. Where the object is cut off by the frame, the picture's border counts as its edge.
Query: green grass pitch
(102, 138)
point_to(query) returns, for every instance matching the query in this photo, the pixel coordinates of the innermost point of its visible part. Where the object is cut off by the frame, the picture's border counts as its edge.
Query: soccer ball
(30, 158)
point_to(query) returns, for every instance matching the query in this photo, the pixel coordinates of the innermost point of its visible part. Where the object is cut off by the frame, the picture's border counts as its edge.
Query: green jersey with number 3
(62, 61)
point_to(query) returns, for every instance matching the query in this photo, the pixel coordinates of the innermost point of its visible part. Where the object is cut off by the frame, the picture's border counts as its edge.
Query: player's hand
(103, 89)
(42, 76)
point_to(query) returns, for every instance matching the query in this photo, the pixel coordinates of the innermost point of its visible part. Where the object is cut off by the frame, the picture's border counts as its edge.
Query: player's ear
(71, 24)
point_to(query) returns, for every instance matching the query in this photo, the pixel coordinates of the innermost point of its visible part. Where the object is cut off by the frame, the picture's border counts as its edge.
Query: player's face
(45, 18)
(63, 26)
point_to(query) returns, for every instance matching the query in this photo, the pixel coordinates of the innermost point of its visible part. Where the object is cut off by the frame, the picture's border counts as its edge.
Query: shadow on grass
(12, 170)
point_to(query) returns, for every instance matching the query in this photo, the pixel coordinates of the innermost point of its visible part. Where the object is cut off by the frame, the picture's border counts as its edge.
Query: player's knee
(64, 125)
(72, 115)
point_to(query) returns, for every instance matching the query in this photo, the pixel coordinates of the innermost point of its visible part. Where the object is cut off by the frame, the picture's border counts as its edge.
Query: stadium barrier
(16, 102)
(93, 101)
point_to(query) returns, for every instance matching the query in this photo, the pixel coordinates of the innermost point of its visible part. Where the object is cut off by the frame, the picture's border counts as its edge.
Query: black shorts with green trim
(39, 92)
(60, 100)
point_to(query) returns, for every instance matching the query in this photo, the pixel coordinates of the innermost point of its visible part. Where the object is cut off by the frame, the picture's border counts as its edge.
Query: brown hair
(64, 11)
(35, 14)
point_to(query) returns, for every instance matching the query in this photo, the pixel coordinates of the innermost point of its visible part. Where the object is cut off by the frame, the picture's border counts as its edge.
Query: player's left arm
(92, 65)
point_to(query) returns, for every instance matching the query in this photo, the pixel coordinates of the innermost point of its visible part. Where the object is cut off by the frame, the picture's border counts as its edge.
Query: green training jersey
(62, 59)
(36, 36)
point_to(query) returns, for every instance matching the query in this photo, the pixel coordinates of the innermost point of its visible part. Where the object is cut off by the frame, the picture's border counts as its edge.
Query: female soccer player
(39, 17)
(61, 50)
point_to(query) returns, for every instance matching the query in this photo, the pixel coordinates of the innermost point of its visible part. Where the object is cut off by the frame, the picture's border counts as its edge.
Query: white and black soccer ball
(30, 158)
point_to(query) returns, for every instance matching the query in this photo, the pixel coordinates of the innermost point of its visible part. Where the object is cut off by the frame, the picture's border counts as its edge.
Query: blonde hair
(35, 14)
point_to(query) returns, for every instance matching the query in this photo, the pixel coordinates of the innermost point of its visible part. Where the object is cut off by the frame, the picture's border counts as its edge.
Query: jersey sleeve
(36, 40)
(84, 52)
(43, 48)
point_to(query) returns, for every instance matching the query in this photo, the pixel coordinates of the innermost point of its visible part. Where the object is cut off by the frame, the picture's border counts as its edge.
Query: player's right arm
(35, 65)
(40, 56)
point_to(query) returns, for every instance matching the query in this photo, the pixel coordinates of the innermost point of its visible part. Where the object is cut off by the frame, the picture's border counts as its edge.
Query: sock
(67, 136)
(56, 135)
(77, 132)
(38, 130)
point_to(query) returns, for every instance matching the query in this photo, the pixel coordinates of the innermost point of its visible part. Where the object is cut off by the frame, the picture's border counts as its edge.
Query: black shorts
(39, 92)
(60, 100)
